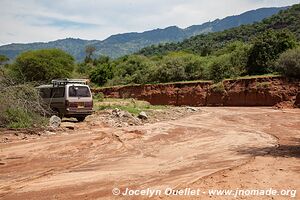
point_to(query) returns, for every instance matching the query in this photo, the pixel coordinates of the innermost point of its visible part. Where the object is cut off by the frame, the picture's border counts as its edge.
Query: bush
(101, 74)
(172, 70)
(288, 63)
(24, 108)
(218, 87)
(3, 59)
(42, 65)
(263, 85)
(99, 96)
(222, 68)
(266, 49)
(21, 118)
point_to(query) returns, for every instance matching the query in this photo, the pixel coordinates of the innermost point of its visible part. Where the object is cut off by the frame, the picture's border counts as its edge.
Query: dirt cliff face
(267, 91)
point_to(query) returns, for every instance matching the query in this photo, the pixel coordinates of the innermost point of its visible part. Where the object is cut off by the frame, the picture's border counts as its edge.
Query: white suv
(68, 98)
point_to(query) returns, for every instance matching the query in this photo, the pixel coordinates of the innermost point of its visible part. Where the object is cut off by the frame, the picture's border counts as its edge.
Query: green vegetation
(234, 60)
(99, 97)
(266, 49)
(42, 65)
(130, 105)
(3, 59)
(205, 44)
(23, 109)
(218, 87)
(127, 43)
(263, 85)
(20, 103)
(246, 50)
(20, 118)
(89, 50)
(288, 63)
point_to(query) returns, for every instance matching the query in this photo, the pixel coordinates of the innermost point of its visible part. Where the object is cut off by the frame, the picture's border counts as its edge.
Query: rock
(54, 121)
(192, 109)
(68, 125)
(117, 112)
(50, 133)
(143, 115)
(126, 114)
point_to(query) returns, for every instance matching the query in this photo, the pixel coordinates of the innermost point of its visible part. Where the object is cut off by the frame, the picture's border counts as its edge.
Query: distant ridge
(127, 43)
(201, 44)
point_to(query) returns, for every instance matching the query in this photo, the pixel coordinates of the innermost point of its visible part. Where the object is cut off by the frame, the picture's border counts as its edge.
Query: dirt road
(210, 149)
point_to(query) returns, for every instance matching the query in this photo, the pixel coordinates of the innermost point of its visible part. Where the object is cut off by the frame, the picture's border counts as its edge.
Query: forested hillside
(127, 43)
(204, 44)
(268, 47)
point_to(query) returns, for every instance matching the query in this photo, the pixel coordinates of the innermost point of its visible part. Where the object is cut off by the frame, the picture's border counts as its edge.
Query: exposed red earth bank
(265, 91)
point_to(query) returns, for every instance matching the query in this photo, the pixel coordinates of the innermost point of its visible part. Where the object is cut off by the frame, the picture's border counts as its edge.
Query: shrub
(101, 74)
(21, 118)
(288, 63)
(221, 68)
(24, 108)
(3, 59)
(99, 96)
(218, 87)
(42, 65)
(266, 49)
(263, 85)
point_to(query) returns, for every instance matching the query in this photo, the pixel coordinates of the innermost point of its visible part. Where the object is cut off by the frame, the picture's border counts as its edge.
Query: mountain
(76, 47)
(202, 44)
(127, 43)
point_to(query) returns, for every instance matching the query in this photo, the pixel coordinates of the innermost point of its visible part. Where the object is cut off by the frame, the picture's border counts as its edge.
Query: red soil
(266, 91)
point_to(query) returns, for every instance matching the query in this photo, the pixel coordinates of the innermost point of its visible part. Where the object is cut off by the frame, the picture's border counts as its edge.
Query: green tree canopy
(43, 65)
(289, 63)
(101, 73)
(266, 49)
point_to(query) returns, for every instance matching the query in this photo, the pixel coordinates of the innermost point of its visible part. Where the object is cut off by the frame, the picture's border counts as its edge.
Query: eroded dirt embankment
(266, 91)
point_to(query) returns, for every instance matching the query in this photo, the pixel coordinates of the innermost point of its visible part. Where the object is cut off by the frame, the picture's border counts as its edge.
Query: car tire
(80, 119)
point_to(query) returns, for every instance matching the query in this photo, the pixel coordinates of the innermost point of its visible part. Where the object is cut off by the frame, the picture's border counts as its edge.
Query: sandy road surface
(91, 160)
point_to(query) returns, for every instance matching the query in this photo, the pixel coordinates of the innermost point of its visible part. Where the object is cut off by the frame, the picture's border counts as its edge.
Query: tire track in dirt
(90, 161)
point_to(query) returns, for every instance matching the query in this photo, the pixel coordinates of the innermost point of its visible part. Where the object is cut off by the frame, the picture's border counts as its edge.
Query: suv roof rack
(58, 82)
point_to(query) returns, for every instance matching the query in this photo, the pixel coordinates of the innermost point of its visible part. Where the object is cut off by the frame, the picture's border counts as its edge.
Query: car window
(45, 92)
(79, 91)
(58, 92)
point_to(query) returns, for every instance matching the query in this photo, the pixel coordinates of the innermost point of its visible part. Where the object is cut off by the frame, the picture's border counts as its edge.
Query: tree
(3, 59)
(101, 74)
(42, 65)
(171, 70)
(266, 49)
(221, 68)
(101, 60)
(89, 50)
(289, 63)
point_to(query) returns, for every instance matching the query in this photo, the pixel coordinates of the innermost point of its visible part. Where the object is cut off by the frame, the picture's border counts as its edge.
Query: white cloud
(44, 20)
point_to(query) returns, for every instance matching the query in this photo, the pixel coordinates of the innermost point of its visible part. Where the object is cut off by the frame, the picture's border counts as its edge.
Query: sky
(24, 21)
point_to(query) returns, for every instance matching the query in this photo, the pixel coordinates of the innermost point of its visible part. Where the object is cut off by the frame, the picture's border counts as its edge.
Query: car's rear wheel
(80, 119)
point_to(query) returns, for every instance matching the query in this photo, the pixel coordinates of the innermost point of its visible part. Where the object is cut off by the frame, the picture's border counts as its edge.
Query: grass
(257, 76)
(196, 81)
(20, 118)
(218, 87)
(130, 105)
(263, 85)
